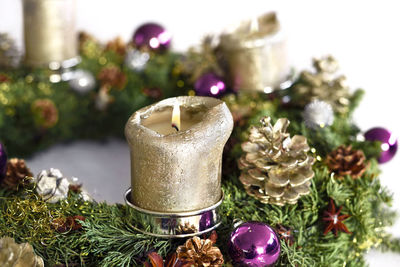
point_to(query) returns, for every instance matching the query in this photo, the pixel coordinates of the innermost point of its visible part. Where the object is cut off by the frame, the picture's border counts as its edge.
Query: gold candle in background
(178, 169)
(255, 53)
(49, 32)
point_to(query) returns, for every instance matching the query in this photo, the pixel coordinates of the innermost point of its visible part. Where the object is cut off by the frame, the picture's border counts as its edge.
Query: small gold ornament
(323, 84)
(200, 252)
(346, 161)
(18, 255)
(276, 169)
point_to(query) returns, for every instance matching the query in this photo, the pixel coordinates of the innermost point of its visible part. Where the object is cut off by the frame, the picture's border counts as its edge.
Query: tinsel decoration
(18, 255)
(324, 85)
(344, 160)
(45, 113)
(200, 252)
(275, 168)
(136, 60)
(334, 220)
(17, 174)
(9, 54)
(318, 114)
(52, 185)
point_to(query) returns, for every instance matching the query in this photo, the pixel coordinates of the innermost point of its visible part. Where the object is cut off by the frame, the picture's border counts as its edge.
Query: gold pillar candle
(178, 171)
(255, 54)
(49, 32)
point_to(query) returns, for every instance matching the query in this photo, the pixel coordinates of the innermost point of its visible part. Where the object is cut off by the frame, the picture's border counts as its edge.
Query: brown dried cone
(45, 113)
(18, 255)
(117, 45)
(16, 174)
(112, 76)
(346, 161)
(323, 84)
(186, 228)
(276, 169)
(200, 252)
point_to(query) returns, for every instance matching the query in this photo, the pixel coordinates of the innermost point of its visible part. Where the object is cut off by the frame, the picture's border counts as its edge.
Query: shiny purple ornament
(389, 142)
(209, 84)
(254, 244)
(153, 36)
(3, 161)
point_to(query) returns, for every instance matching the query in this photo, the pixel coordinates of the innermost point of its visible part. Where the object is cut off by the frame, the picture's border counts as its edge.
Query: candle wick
(175, 127)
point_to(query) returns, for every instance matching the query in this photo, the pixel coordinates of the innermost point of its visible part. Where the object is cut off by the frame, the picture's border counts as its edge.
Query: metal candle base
(174, 225)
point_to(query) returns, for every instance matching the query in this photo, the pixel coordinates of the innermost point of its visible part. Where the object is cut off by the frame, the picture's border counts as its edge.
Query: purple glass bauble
(206, 221)
(3, 161)
(254, 244)
(153, 36)
(209, 84)
(389, 142)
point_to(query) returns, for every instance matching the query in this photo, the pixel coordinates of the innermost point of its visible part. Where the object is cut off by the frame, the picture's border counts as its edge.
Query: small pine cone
(346, 161)
(186, 228)
(16, 174)
(276, 169)
(323, 84)
(112, 77)
(117, 45)
(45, 113)
(200, 252)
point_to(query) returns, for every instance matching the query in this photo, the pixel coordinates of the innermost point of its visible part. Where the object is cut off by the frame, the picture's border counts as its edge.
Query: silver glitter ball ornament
(318, 114)
(136, 60)
(82, 81)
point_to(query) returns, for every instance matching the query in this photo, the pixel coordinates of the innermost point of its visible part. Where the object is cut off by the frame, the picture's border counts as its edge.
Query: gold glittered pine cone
(346, 161)
(18, 255)
(275, 168)
(323, 84)
(200, 252)
(201, 60)
(16, 174)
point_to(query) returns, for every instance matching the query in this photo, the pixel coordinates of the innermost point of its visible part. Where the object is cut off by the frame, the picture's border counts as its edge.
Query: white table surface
(362, 35)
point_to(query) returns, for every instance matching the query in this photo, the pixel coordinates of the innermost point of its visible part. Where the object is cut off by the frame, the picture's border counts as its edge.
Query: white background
(362, 35)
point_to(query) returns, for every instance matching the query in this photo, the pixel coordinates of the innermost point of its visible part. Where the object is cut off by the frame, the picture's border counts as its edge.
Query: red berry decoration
(335, 220)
